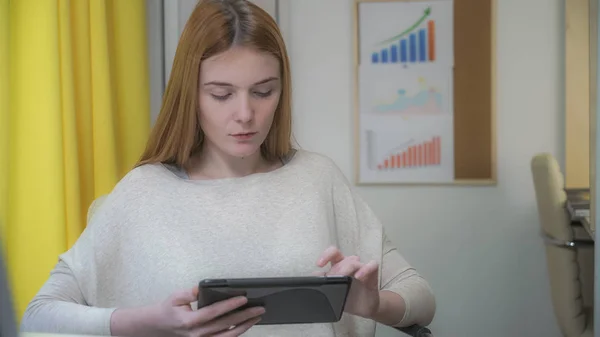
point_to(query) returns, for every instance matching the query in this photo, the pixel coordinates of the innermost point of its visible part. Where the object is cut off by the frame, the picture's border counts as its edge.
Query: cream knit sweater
(158, 232)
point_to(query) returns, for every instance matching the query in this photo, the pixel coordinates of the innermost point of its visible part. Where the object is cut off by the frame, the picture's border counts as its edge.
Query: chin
(242, 151)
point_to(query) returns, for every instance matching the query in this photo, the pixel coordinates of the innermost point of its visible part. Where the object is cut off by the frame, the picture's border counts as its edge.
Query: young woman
(220, 192)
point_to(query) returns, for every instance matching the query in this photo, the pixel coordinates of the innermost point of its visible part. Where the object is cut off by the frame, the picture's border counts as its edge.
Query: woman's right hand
(177, 318)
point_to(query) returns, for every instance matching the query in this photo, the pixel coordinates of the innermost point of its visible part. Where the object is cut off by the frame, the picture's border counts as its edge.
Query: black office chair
(416, 331)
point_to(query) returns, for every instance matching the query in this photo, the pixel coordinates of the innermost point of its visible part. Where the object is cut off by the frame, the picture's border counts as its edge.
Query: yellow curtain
(79, 117)
(3, 119)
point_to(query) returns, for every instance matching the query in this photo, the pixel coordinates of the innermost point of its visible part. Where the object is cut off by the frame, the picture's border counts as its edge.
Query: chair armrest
(416, 331)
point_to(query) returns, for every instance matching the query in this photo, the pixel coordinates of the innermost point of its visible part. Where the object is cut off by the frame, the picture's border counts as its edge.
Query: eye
(263, 94)
(221, 97)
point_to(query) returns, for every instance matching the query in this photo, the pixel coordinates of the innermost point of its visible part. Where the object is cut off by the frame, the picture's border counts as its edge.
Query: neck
(210, 163)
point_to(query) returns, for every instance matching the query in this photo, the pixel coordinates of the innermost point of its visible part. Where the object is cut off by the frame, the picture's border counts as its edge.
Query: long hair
(213, 27)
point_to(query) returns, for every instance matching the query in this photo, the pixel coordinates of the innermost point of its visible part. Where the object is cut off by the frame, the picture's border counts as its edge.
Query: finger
(209, 313)
(345, 268)
(318, 273)
(233, 319)
(184, 297)
(240, 329)
(366, 271)
(331, 254)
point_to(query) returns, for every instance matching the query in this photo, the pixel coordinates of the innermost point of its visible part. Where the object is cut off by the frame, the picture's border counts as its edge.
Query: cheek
(211, 112)
(267, 108)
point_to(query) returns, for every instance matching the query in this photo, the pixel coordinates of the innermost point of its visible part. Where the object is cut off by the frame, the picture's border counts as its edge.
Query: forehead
(239, 66)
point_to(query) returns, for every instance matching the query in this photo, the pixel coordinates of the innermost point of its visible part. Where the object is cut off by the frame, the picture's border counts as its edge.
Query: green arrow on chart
(425, 15)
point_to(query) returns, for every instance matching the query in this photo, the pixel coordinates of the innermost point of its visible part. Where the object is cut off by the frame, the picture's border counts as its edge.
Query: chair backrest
(562, 264)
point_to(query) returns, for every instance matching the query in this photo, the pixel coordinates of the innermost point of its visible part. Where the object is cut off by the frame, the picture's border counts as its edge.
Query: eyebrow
(225, 84)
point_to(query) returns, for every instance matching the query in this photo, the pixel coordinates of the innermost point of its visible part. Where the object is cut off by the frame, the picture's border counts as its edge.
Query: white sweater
(158, 232)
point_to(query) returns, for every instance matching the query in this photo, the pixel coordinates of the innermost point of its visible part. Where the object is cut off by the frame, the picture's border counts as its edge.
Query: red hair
(213, 27)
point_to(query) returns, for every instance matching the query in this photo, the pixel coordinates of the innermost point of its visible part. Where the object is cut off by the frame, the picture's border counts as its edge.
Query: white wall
(478, 246)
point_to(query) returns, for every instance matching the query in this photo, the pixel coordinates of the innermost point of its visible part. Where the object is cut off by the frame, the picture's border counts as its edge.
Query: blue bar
(384, 56)
(375, 58)
(403, 51)
(394, 53)
(422, 45)
(413, 47)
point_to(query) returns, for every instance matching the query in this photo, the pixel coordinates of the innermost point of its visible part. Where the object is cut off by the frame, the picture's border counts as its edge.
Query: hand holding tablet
(348, 286)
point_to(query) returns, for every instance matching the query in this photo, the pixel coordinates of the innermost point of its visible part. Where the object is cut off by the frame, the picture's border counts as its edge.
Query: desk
(587, 224)
(578, 207)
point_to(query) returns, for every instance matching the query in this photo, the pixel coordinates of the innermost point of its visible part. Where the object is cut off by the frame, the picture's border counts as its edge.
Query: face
(239, 93)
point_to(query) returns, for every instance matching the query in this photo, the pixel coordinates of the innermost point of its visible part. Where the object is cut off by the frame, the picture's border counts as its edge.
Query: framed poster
(416, 94)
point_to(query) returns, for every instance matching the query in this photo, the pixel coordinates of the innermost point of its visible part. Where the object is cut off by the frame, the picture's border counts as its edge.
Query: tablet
(287, 300)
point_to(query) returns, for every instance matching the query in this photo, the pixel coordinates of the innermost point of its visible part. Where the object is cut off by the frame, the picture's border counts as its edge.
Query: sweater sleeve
(398, 276)
(66, 302)
(360, 232)
(60, 307)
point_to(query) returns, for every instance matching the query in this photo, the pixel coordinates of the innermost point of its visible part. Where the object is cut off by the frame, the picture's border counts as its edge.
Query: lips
(243, 136)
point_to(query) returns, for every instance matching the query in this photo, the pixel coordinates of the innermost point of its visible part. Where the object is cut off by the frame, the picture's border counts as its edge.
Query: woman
(218, 193)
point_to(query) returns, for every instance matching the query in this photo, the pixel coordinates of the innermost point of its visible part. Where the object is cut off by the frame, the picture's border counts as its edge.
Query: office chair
(416, 331)
(568, 256)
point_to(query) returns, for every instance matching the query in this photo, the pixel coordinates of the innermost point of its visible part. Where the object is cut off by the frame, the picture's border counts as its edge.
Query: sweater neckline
(180, 174)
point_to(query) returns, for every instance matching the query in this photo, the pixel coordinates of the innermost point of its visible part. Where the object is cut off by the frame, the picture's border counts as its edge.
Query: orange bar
(431, 39)
(398, 161)
(432, 152)
(386, 163)
(420, 154)
(410, 157)
(404, 160)
(435, 150)
(438, 145)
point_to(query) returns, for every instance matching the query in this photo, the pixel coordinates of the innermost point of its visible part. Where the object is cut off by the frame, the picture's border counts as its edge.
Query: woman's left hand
(363, 299)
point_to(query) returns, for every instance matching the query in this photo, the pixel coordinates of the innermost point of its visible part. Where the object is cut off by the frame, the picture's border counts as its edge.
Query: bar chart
(424, 154)
(414, 45)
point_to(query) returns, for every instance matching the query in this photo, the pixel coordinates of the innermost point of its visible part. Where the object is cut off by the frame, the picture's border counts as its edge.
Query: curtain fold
(4, 122)
(79, 117)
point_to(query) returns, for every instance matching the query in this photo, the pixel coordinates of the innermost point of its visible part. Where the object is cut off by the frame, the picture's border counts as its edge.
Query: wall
(478, 246)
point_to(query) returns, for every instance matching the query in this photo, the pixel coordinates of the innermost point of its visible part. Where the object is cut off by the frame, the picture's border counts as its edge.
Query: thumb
(184, 297)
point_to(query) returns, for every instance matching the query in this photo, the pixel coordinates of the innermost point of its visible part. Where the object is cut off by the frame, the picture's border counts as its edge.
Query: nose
(245, 111)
